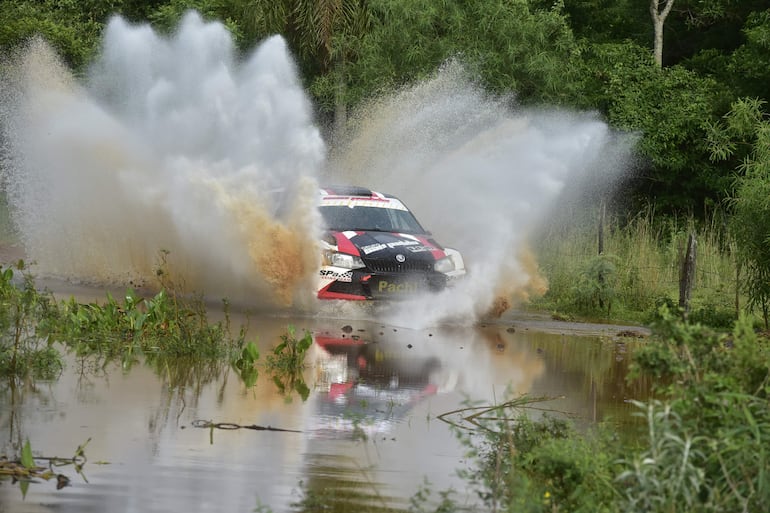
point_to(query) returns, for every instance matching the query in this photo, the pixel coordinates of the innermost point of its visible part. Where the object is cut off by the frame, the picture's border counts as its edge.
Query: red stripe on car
(325, 294)
(438, 254)
(344, 245)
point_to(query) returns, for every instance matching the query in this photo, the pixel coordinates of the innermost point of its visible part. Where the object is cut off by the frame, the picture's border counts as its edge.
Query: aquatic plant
(245, 364)
(287, 362)
(162, 324)
(25, 468)
(22, 349)
(290, 353)
(34, 328)
(160, 328)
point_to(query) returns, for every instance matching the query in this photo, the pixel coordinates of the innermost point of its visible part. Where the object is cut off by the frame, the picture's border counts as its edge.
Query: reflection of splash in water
(170, 144)
(477, 172)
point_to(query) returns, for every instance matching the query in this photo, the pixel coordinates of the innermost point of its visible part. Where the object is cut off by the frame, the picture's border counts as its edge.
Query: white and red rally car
(374, 248)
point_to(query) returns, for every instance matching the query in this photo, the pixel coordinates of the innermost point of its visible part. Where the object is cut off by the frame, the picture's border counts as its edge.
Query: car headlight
(444, 265)
(343, 260)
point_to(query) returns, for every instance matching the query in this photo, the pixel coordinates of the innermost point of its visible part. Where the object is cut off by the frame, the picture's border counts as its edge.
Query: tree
(712, 28)
(744, 134)
(659, 9)
(749, 67)
(322, 34)
(669, 108)
(73, 32)
(509, 45)
(311, 27)
(603, 21)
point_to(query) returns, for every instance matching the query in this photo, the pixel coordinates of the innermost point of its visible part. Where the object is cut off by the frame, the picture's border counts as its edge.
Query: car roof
(349, 195)
(352, 190)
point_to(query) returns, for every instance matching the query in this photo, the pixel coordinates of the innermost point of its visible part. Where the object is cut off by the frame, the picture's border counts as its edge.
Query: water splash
(175, 144)
(481, 175)
(170, 144)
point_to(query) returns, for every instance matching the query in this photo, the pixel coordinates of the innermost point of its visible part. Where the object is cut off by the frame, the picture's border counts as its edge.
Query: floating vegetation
(483, 417)
(230, 426)
(285, 363)
(167, 326)
(207, 424)
(289, 355)
(27, 468)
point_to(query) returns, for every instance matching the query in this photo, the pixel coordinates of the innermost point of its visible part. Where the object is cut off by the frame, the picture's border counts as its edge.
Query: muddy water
(365, 438)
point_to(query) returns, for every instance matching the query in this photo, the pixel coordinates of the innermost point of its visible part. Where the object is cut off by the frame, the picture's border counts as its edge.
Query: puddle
(366, 438)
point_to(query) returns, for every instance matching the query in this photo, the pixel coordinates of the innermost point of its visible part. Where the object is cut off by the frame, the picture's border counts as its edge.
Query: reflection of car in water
(363, 387)
(374, 248)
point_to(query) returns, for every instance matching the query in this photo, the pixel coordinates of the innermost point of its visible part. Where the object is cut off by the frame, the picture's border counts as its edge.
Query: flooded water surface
(372, 428)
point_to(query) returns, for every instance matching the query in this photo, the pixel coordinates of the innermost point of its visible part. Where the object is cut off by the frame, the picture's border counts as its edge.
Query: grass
(639, 269)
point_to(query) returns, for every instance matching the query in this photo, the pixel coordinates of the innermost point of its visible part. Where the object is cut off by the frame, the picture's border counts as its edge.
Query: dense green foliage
(586, 54)
(744, 136)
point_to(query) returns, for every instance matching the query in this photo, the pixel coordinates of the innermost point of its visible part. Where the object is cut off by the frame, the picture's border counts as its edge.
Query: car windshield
(362, 218)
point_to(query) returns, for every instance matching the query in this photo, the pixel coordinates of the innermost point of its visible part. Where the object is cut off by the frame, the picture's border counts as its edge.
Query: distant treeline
(583, 54)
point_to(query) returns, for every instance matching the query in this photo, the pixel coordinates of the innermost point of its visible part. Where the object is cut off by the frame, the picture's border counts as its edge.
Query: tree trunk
(659, 9)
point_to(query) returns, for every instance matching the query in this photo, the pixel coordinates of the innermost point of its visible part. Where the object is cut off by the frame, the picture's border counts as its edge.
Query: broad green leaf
(251, 352)
(26, 456)
(24, 487)
(302, 389)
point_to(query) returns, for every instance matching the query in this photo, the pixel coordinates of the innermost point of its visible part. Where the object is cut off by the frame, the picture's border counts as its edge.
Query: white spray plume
(170, 144)
(478, 173)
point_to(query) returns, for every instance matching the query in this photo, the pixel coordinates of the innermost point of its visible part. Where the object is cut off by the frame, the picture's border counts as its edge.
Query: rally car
(374, 248)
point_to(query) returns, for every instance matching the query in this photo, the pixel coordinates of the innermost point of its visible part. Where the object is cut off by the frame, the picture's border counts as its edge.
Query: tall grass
(8, 235)
(639, 268)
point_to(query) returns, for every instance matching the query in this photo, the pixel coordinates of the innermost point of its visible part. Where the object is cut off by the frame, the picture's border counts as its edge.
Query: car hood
(381, 245)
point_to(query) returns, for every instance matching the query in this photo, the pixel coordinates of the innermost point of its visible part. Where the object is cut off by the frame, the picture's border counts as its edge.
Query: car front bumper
(363, 284)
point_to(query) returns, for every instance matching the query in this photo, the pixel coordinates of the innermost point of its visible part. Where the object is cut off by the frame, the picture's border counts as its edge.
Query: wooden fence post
(687, 276)
(602, 215)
